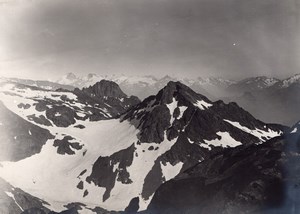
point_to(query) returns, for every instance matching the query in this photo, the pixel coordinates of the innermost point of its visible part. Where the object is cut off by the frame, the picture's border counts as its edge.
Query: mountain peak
(71, 76)
(106, 88)
(91, 75)
(291, 80)
(179, 91)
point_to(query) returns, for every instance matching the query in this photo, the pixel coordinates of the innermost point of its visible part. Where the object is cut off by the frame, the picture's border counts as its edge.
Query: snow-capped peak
(291, 80)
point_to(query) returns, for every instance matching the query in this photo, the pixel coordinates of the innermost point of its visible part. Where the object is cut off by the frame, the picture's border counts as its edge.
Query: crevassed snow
(260, 134)
(201, 104)
(9, 194)
(169, 171)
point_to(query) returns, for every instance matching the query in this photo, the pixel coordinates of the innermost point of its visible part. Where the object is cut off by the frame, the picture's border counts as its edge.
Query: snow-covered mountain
(43, 84)
(144, 86)
(289, 81)
(213, 87)
(101, 148)
(278, 103)
(252, 84)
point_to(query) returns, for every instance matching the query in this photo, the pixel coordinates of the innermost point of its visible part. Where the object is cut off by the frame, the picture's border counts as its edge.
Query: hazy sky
(229, 38)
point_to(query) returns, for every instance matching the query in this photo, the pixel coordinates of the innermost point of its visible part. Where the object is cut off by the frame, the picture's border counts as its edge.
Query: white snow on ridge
(260, 134)
(225, 141)
(201, 104)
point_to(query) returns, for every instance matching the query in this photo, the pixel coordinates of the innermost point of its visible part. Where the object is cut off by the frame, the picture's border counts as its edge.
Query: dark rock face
(105, 88)
(42, 120)
(80, 126)
(19, 139)
(41, 106)
(246, 179)
(106, 95)
(66, 147)
(61, 116)
(155, 123)
(34, 211)
(24, 106)
(103, 174)
(133, 206)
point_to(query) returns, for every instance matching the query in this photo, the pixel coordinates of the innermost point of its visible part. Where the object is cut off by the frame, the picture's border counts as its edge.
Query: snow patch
(201, 104)
(262, 135)
(169, 171)
(225, 141)
(172, 106)
(182, 110)
(57, 114)
(294, 130)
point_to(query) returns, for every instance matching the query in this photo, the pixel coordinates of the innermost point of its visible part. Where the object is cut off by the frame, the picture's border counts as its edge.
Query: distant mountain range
(96, 149)
(269, 99)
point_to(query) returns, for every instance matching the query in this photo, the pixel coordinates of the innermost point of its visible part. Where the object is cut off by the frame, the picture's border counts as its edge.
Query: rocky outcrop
(107, 95)
(64, 146)
(104, 173)
(61, 116)
(247, 179)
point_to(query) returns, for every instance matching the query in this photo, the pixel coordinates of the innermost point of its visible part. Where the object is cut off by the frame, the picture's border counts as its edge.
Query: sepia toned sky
(43, 39)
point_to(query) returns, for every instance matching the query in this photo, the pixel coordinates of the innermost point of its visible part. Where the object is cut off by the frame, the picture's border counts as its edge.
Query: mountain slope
(18, 138)
(119, 163)
(246, 179)
(64, 108)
